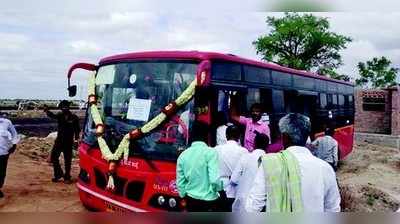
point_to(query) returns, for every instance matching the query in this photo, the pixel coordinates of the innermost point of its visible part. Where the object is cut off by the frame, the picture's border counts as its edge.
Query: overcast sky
(39, 41)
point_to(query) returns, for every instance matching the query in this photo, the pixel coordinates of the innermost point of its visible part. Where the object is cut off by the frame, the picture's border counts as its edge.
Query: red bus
(133, 88)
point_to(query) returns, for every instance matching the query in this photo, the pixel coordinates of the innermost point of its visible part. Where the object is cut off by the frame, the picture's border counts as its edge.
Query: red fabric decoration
(135, 134)
(100, 129)
(170, 109)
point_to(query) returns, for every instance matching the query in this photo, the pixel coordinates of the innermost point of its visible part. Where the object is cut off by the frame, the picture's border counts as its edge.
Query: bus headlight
(172, 202)
(161, 200)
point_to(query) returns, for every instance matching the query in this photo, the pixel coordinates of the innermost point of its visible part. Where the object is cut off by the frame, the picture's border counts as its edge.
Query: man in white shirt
(229, 155)
(326, 148)
(8, 140)
(221, 122)
(318, 189)
(244, 173)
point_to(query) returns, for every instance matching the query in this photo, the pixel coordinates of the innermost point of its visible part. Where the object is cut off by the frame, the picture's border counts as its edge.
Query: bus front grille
(135, 190)
(101, 181)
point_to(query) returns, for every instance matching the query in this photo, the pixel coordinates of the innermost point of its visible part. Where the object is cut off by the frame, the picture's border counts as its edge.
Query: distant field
(36, 123)
(14, 104)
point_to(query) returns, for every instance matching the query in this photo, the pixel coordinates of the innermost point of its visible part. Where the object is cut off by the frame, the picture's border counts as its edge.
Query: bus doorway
(307, 105)
(222, 98)
(304, 102)
(237, 102)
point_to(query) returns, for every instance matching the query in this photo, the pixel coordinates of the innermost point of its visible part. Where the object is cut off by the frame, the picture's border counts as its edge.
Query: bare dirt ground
(28, 186)
(369, 179)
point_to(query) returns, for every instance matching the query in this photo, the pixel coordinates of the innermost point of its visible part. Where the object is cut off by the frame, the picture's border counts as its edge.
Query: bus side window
(266, 100)
(335, 100)
(261, 96)
(341, 101)
(253, 96)
(289, 101)
(322, 100)
(329, 101)
(278, 103)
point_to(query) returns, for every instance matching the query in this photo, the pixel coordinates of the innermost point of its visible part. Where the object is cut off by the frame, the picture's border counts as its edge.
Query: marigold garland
(123, 147)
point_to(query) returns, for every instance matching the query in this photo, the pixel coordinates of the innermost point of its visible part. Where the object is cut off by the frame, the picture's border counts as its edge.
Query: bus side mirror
(72, 91)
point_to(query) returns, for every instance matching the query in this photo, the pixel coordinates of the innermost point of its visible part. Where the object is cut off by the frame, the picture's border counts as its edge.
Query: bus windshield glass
(131, 94)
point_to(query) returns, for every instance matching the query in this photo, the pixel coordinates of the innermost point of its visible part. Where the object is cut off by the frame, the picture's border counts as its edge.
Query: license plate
(113, 208)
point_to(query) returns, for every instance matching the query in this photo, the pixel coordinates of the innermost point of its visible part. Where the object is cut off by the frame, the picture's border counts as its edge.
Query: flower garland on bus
(123, 147)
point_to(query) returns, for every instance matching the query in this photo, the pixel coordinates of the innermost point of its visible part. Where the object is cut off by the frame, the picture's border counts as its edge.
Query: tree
(302, 42)
(376, 73)
(333, 74)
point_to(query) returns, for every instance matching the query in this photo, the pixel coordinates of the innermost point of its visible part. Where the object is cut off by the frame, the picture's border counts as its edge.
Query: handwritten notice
(139, 109)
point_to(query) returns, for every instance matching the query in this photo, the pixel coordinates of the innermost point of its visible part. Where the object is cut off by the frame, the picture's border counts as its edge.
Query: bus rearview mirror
(72, 91)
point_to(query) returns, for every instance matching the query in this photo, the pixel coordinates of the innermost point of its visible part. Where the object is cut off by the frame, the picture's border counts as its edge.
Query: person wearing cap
(8, 143)
(67, 131)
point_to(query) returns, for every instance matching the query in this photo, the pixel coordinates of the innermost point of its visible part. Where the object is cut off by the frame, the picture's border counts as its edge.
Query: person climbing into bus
(294, 180)
(68, 130)
(197, 173)
(326, 148)
(245, 171)
(228, 156)
(253, 124)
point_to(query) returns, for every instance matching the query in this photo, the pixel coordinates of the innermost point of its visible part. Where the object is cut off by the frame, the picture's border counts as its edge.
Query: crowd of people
(229, 177)
(232, 177)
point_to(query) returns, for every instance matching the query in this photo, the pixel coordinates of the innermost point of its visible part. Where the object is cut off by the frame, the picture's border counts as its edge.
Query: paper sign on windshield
(139, 109)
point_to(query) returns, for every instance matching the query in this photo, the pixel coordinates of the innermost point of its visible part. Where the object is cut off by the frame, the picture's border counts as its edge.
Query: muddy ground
(369, 180)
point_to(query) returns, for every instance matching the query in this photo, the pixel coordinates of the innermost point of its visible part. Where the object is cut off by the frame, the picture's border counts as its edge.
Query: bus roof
(201, 55)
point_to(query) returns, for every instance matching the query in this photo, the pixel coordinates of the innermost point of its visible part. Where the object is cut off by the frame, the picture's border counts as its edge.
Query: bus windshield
(131, 94)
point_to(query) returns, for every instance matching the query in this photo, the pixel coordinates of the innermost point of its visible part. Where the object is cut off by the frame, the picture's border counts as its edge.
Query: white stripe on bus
(120, 204)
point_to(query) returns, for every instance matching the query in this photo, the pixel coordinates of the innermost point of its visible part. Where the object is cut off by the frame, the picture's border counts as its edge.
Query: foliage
(333, 74)
(302, 41)
(376, 73)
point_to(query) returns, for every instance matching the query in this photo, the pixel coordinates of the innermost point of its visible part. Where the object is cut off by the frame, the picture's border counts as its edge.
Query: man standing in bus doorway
(197, 175)
(8, 144)
(294, 179)
(228, 156)
(254, 124)
(68, 130)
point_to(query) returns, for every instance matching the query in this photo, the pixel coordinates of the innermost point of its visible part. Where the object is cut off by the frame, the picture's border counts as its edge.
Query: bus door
(222, 96)
(303, 102)
(307, 104)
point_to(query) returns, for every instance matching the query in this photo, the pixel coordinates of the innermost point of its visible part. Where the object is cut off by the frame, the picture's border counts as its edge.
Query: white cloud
(84, 47)
(39, 46)
(11, 42)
